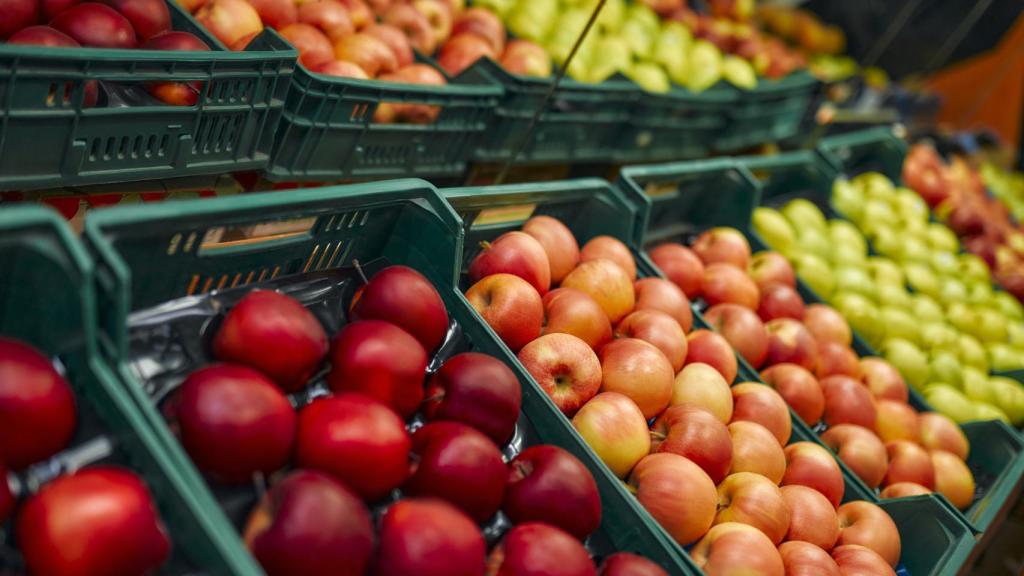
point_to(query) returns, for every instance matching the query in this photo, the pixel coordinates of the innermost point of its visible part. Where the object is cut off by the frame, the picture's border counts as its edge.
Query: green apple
(938, 335)
(854, 279)
(704, 63)
(908, 359)
(885, 271)
(910, 206)
(972, 353)
(984, 411)
(774, 229)
(862, 315)
(847, 255)
(804, 215)
(532, 19)
(1009, 397)
(975, 384)
(875, 185)
(563, 36)
(1015, 334)
(739, 72)
(1008, 305)
(500, 8)
(843, 233)
(644, 16)
(877, 214)
(848, 199)
(944, 263)
(961, 315)
(815, 272)
(639, 38)
(670, 48)
(952, 290)
(914, 250)
(1002, 357)
(925, 308)
(949, 401)
(611, 55)
(612, 15)
(991, 326)
(974, 268)
(900, 324)
(893, 295)
(940, 237)
(917, 229)
(921, 278)
(650, 76)
(980, 293)
(944, 366)
(813, 241)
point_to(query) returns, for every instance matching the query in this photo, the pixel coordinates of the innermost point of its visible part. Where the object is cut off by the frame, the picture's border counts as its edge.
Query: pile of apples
(97, 520)
(929, 309)
(612, 352)
(143, 24)
(334, 463)
(805, 355)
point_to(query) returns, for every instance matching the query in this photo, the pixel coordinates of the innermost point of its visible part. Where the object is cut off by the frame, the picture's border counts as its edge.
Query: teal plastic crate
(770, 112)
(49, 139)
(51, 305)
(153, 253)
(874, 150)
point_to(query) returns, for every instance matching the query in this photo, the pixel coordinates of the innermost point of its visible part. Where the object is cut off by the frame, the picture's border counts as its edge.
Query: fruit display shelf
(50, 136)
(936, 538)
(52, 307)
(687, 198)
(149, 255)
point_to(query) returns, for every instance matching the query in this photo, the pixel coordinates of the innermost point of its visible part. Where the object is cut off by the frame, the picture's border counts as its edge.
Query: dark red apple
(406, 298)
(17, 14)
(626, 564)
(515, 253)
(780, 301)
(53, 7)
(311, 524)
(428, 538)
(6, 496)
(478, 390)
(357, 440)
(96, 25)
(536, 549)
(42, 36)
(548, 484)
(148, 17)
(234, 422)
(176, 93)
(381, 360)
(37, 406)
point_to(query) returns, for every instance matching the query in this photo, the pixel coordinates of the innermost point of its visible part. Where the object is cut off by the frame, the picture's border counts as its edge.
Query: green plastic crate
(327, 132)
(52, 306)
(150, 254)
(877, 149)
(48, 139)
(771, 112)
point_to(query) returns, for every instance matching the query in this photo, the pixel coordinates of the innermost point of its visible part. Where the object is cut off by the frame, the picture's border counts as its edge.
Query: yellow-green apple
(755, 449)
(953, 479)
(866, 524)
(639, 370)
(370, 53)
(860, 449)
(903, 490)
(538, 548)
(557, 240)
(735, 548)
(514, 253)
(826, 324)
(614, 428)
(570, 311)
(896, 421)
(663, 295)
(565, 367)
(742, 328)
(680, 265)
(806, 559)
(696, 434)
(439, 15)
(908, 462)
(755, 402)
(752, 499)
(510, 306)
(626, 564)
(771, 268)
(478, 390)
(780, 301)
(771, 225)
(789, 341)
(702, 386)
(609, 248)
(428, 537)
(483, 23)
(883, 379)
(658, 329)
(707, 347)
(911, 362)
(330, 16)
(548, 484)
(607, 283)
(727, 283)
(817, 274)
(835, 358)
(808, 464)
(854, 560)
(847, 401)
(812, 518)
(722, 244)
(407, 19)
(677, 493)
(939, 432)
(462, 51)
(799, 388)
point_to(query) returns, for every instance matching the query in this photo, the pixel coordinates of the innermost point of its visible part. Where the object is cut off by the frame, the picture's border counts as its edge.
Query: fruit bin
(55, 286)
(874, 150)
(690, 197)
(592, 207)
(151, 254)
(49, 138)
(771, 112)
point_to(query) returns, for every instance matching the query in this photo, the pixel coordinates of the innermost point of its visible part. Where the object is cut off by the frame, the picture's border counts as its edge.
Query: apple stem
(359, 269)
(485, 244)
(630, 488)
(659, 436)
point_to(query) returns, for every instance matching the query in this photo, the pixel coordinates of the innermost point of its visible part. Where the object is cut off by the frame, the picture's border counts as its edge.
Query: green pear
(900, 324)
(568, 27)
(501, 8)
(972, 353)
(950, 401)
(643, 15)
(611, 17)
(921, 278)
(611, 55)
(650, 76)
(944, 366)
(814, 271)
(938, 335)
(940, 237)
(532, 19)
(848, 199)
(885, 271)
(639, 37)
(854, 279)
(1002, 357)
(893, 295)
(739, 72)
(862, 315)
(1008, 305)
(813, 241)
(670, 48)
(774, 229)
(1015, 334)
(925, 308)
(975, 384)
(704, 66)
(843, 233)
(804, 215)
(1009, 398)
(984, 411)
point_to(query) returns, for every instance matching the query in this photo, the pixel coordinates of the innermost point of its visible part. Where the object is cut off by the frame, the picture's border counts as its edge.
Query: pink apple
(735, 548)
(883, 379)
(847, 401)
(789, 341)
(835, 358)
(865, 524)
(826, 324)
(755, 449)
(677, 493)
(610, 248)
(615, 429)
(810, 465)
(860, 449)
(707, 347)
(812, 518)
(726, 283)
(806, 559)
(771, 268)
(742, 328)
(659, 330)
(780, 301)
(680, 265)
(799, 388)
(722, 244)
(570, 311)
(755, 402)
(640, 371)
(555, 237)
(939, 432)
(510, 306)
(565, 367)
(662, 295)
(752, 499)
(696, 434)
(701, 386)
(514, 253)
(897, 421)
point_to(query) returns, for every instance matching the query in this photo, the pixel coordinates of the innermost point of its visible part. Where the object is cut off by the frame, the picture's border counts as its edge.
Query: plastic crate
(327, 132)
(876, 149)
(151, 254)
(770, 112)
(52, 306)
(48, 139)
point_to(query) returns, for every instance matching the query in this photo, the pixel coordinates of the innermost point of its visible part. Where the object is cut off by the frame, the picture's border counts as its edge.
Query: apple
(428, 538)
(835, 358)
(790, 342)
(812, 518)
(18, 14)
(483, 23)
(570, 311)
(953, 479)
(663, 295)
(615, 429)
(776, 230)
(234, 422)
(510, 306)
(658, 329)
(854, 560)
(555, 237)
(276, 14)
(860, 449)
(626, 564)
(312, 524)
(908, 462)
(415, 25)
(175, 93)
(397, 41)
(677, 493)
(478, 390)
(780, 301)
(38, 406)
(438, 15)
(896, 421)
(330, 16)
(862, 314)
(865, 524)
(610, 248)
(799, 388)
(750, 498)
(548, 484)
(707, 347)
(147, 17)
(412, 74)
(341, 69)
(702, 386)
(726, 245)
(565, 367)
(96, 25)
(680, 265)
(462, 51)
(696, 434)
(847, 401)
(229, 20)
(370, 53)
(755, 449)
(908, 359)
(605, 282)
(816, 273)
(355, 439)
(404, 297)
(755, 402)
(727, 283)
(768, 268)
(806, 559)
(43, 36)
(515, 253)
(883, 379)
(903, 490)
(810, 465)
(99, 520)
(735, 548)
(742, 328)
(534, 548)
(640, 371)
(939, 432)
(526, 58)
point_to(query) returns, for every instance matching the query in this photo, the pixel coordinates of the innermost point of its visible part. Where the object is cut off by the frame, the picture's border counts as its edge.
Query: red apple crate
(687, 198)
(151, 254)
(48, 138)
(52, 307)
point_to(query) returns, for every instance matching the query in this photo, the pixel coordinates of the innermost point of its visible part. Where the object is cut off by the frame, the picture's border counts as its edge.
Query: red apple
(242, 44)
(606, 283)
(810, 465)
(478, 390)
(835, 358)
(755, 402)
(610, 248)
(439, 16)
(680, 265)
(404, 297)
(742, 328)
(860, 450)
(640, 371)
(701, 386)
(799, 388)
(696, 434)
(570, 311)
(660, 294)
(7, 500)
(514, 253)
(357, 440)
(147, 17)
(727, 283)
(309, 523)
(526, 58)
(176, 93)
(768, 268)
(755, 449)
(313, 46)
(37, 404)
(329, 16)
(276, 13)
(535, 549)
(896, 421)
(50, 8)
(615, 429)
(414, 24)
(939, 432)
(96, 25)
(854, 560)
(658, 329)
(42, 36)
(812, 518)
(412, 113)
(677, 493)
(359, 12)
(903, 490)
(725, 245)
(485, 24)
(341, 69)
(707, 347)
(395, 39)
(780, 301)
(460, 52)
(883, 379)
(510, 306)
(752, 499)
(229, 20)
(734, 548)
(953, 479)
(555, 237)
(18, 14)
(372, 54)
(565, 367)
(847, 401)
(99, 520)
(826, 324)
(428, 538)
(806, 559)
(789, 341)
(626, 564)
(865, 524)
(548, 484)
(234, 422)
